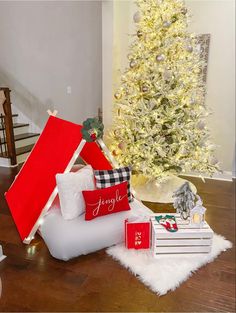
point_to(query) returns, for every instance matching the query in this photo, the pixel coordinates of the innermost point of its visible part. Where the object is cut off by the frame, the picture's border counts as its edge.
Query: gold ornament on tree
(116, 133)
(115, 153)
(174, 19)
(118, 95)
(139, 33)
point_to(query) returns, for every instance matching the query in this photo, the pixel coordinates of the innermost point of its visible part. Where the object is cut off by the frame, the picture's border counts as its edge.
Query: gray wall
(47, 46)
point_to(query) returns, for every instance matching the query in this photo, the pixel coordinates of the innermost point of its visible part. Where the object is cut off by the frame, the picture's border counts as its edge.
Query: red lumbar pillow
(106, 201)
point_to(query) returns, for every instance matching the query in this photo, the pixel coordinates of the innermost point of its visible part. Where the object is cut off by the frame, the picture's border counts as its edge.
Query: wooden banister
(8, 123)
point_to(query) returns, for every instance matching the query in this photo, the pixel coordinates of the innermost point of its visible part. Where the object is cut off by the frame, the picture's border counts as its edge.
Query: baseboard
(226, 175)
(5, 162)
(2, 257)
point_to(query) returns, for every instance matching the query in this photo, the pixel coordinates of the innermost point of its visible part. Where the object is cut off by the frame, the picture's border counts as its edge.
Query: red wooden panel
(35, 183)
(92, 154)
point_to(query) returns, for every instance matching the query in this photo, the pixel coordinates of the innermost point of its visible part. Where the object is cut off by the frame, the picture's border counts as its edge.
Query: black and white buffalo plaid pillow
(108, 178)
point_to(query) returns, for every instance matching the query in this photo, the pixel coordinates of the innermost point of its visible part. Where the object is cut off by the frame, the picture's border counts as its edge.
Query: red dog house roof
(34, 188)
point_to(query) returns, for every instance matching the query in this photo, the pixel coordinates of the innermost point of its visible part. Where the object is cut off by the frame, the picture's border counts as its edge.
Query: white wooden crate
(188, 239)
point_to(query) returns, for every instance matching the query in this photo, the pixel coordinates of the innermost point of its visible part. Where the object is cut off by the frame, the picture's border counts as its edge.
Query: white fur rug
(168, 271)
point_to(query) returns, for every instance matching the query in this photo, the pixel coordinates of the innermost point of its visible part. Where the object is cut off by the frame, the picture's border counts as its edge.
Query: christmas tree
(159, 113)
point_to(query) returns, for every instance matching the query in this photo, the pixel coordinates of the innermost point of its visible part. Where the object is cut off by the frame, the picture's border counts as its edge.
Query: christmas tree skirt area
(166, 272)
(152, 191)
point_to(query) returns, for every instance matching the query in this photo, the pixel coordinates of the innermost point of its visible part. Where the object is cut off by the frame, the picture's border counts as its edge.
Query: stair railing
(6, 121)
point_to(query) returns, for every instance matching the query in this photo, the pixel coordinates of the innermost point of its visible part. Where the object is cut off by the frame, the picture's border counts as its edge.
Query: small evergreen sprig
(92, 129)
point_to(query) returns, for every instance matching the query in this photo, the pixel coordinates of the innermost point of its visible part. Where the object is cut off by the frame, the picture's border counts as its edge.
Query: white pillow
(70, 186)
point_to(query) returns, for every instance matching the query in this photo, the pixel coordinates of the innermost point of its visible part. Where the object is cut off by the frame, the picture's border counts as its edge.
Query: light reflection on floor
(31, 250)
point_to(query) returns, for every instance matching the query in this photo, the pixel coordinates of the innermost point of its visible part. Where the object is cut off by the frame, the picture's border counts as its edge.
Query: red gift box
(137, 234)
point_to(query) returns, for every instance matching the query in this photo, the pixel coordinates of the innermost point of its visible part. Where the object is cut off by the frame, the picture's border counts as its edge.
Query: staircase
(16, 142)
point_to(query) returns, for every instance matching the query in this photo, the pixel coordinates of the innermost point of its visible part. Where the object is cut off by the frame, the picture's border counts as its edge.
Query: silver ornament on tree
(213, 160)
(192, 101)
(133, 63)
(122, 145)
(189, 48)
(184, 11)
(201, 125)
(183, 151)
(167, 24)
(137, 17)
(144, 88)
(160, 57)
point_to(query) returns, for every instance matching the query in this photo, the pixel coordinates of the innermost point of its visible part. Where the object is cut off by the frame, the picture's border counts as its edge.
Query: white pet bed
(67, 239)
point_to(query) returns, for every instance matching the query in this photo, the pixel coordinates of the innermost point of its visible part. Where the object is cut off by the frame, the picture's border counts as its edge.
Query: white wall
(117, 27)
(46, 46)
(107, 60)
(217, 17)
(209, 16)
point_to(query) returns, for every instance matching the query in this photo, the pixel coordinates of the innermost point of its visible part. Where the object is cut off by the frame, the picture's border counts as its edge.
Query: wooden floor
(33, 281)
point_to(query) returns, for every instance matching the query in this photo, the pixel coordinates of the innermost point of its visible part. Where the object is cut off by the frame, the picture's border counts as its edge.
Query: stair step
(24, 149)
(17, 125)
(14, 115)
(23, 136)
(19, 151)
(3, 155)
